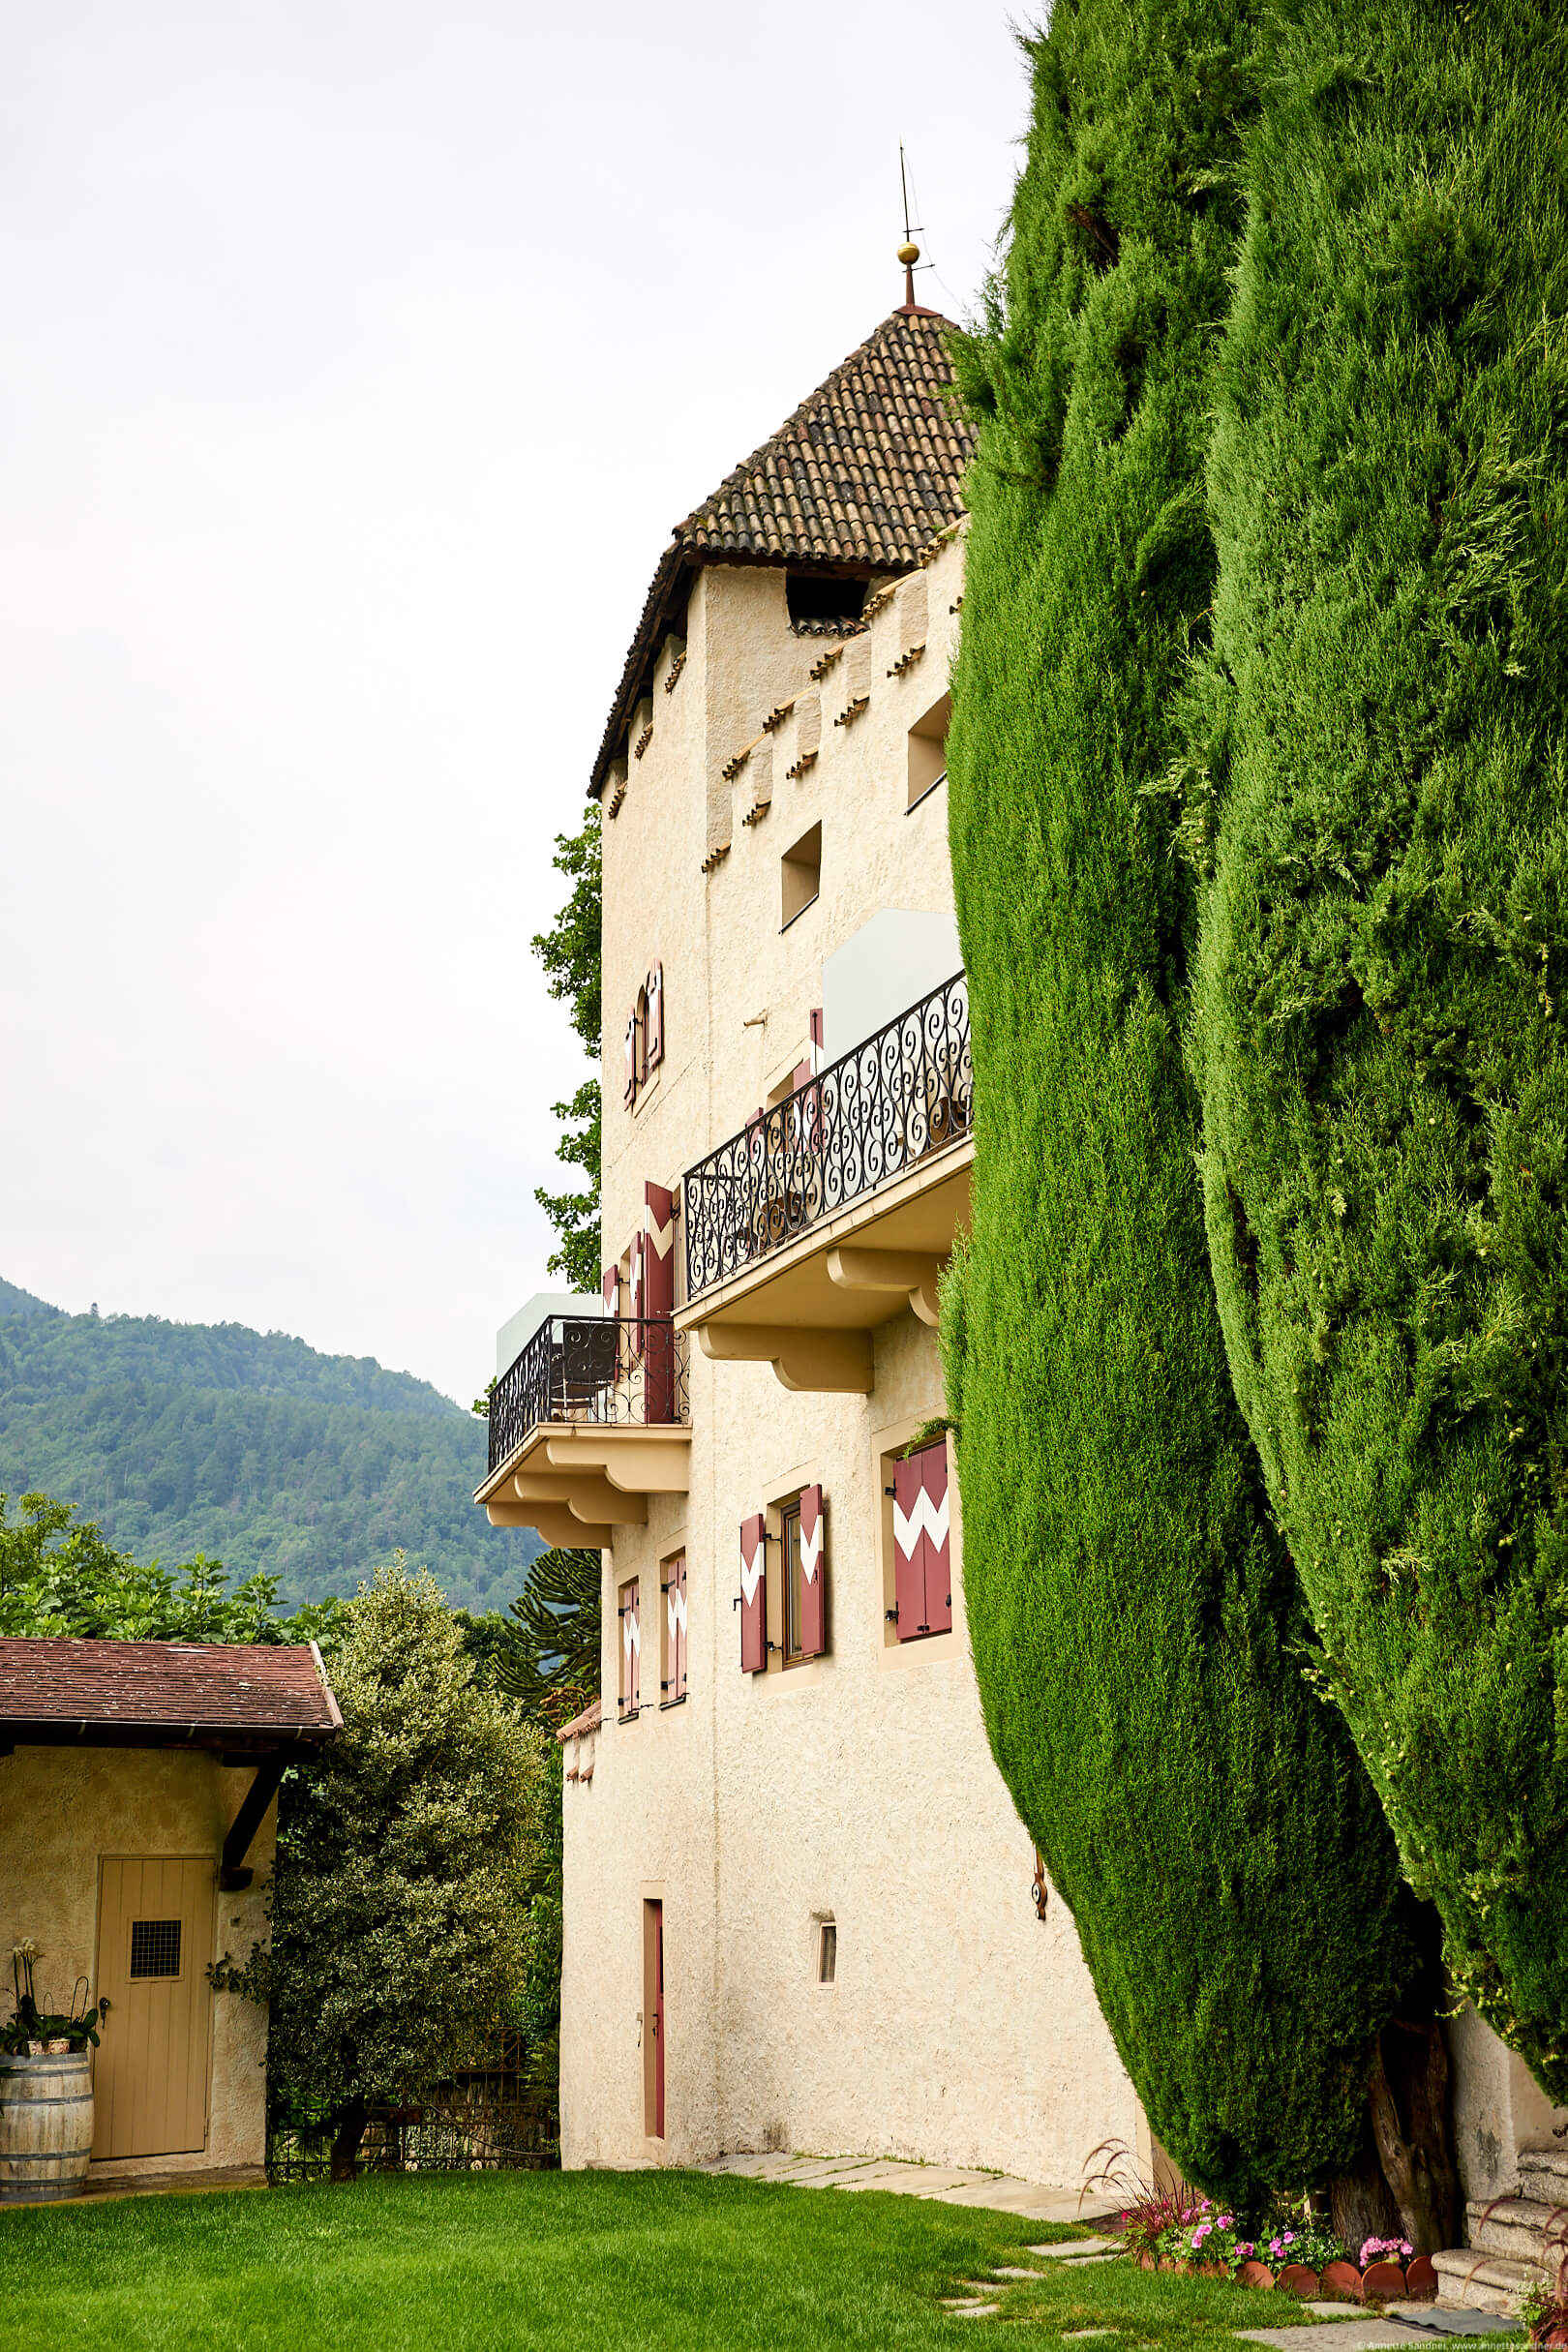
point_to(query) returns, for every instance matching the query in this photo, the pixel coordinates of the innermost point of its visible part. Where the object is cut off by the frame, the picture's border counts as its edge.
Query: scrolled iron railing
(905, 1092)
(590, 1368)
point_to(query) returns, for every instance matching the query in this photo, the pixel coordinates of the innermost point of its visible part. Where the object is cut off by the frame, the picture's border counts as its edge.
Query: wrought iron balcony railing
(865, 1119)
(590, 1368)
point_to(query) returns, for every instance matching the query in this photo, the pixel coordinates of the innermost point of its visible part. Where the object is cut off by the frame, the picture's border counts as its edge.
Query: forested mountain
(249, 1446)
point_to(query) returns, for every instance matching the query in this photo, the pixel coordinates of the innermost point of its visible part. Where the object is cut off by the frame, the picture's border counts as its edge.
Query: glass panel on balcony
(590, 1368)
(868, 1117)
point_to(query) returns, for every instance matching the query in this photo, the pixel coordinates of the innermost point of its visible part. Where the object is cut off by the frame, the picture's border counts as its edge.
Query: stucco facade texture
(61, 1811)
(856, 1789)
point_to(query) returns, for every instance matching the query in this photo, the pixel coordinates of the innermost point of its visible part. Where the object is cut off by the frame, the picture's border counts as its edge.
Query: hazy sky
(355, 361)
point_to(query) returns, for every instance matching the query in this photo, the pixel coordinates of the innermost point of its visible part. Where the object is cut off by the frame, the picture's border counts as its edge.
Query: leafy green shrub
(1377, 791)
(1135, 1622)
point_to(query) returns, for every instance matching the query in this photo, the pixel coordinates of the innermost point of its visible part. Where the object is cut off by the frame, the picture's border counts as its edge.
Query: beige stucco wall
(60, 1810)
(860, 1786)
(1499, 2108)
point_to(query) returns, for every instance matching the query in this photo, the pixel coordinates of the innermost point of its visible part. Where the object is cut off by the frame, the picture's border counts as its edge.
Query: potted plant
(46, 2089)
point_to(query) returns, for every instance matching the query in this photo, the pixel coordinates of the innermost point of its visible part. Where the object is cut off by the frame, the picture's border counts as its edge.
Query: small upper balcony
(588, 1422)
(836, 1208)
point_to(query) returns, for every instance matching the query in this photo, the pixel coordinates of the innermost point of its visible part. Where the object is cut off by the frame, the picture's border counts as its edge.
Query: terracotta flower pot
(1255, 2274)
(1297, 2279)
(1420, 2278)
(1382, 2279)
(1342, 2281)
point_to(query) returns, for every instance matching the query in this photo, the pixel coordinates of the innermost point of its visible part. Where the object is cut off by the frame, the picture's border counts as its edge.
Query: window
(801, 874)
(801, 1549)
(928, 751)
(155, 1947)
(819, 596)
(921, 1541)
(631, 1649)
(673, 1640)
(827, 1950)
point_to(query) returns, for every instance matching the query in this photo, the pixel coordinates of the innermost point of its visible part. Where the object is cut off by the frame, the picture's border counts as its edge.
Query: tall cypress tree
(1376, 790)
(1135, 1622)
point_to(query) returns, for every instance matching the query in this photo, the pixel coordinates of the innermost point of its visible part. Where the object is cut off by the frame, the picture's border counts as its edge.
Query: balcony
(836, 1208)
(590, 1421)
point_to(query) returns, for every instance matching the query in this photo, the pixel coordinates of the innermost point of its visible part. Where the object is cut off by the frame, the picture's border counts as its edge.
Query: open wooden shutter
(610, 1284)
(817, 1055)
(813, 1574)
(638, 1296)
(654, 1039)
(909, 1547)
(753, 1594)
(675, 1619)
(934, 1465)
(631, 1649)
(628, 1093)
(660, 1401)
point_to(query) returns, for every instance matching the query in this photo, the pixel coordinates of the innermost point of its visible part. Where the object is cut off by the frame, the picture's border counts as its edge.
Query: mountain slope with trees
(179, 1438)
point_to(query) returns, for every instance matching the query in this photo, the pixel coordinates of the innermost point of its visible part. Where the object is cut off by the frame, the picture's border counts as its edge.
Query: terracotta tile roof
(580, 1726)
(866, 473)
(176, 1688)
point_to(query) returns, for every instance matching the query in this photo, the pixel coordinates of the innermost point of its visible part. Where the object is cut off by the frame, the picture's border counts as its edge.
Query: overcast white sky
(355, 360)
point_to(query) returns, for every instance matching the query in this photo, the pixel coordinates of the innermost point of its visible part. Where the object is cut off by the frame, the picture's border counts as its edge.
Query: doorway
(653, 2013)
(155, 1932)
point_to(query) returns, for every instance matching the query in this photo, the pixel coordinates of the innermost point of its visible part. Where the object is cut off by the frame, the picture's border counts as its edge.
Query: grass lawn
(585, 2262)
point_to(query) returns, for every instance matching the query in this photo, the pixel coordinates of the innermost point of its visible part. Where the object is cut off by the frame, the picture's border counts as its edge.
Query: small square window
(802, 875)
(155, 1947)
(928, 751)
(826, 1951)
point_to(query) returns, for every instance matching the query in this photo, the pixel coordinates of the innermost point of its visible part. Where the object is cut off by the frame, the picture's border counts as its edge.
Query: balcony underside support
(554, 1523)
(913, 1272)
(589, 1497)
(806, 1360)
(651, 1461)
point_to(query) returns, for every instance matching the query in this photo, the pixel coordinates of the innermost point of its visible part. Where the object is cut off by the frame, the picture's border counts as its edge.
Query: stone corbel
(587, 1496)
(554, 1523)
(630, 1464)
(837, 1362)
(912, 1271)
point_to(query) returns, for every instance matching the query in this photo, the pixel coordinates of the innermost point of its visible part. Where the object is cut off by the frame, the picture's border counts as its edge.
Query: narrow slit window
(155, 1947)
(827, 1952)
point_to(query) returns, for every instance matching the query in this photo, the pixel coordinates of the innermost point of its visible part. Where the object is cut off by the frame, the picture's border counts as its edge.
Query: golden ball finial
(909, 255)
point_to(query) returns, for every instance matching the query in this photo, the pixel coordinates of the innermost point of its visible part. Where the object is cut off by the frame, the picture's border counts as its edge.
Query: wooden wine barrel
(46, 2127)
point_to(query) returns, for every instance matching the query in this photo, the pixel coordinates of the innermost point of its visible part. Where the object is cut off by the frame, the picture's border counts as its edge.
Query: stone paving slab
(1080, 2250)
(996, 2192)
(1336, 2336)
(1440, 2319)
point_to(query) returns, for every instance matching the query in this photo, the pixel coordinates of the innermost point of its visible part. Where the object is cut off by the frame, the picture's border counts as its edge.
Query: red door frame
(653, 2017)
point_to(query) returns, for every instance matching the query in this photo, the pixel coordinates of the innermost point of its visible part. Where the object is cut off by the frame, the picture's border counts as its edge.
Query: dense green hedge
(1385, 936)
(1134, 1619)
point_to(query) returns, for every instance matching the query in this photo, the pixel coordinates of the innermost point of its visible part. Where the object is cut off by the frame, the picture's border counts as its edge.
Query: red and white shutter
(610, 1284)
(933, 1467)
(631, 1650)
(653, 1038)
(659, 1399)
(753, 1594)
(813, 1574)
(628, 1091)
(639, 1298)
(675, 1617)
(909, 1546)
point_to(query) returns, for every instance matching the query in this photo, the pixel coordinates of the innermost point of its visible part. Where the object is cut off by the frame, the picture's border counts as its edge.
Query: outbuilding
(137, 1815)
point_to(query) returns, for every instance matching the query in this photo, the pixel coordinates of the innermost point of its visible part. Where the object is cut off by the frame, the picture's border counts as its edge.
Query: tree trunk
(345, 2142)
(1411, 2124)
(1362, 2204)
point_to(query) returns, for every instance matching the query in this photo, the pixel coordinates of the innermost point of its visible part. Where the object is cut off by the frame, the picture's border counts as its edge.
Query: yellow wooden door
(154, 1931)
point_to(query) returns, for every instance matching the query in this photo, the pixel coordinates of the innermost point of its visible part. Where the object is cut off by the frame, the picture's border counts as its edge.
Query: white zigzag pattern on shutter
(810, 1552)
(676, 1609)
(661, 1236)
(927, 1514)
(631, 1633)
(751, 1573)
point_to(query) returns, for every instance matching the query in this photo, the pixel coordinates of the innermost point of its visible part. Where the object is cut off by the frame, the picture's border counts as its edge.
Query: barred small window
(155, 1947)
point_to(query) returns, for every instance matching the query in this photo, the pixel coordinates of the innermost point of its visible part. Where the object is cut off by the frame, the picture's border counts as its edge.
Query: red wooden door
(654, 2009)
